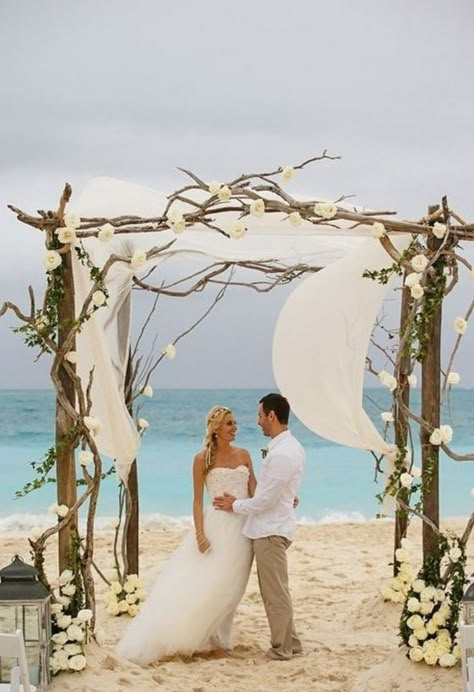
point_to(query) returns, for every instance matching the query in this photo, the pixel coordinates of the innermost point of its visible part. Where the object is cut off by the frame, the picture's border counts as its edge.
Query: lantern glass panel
(468, 608)
(26, 618)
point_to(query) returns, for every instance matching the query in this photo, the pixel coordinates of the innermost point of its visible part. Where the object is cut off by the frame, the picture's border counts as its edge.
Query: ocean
(338, 484)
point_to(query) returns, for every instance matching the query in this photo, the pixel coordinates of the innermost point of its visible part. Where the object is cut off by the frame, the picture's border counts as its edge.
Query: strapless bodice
(223, 479)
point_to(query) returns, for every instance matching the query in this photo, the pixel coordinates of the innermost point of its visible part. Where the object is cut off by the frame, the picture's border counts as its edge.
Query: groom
(271, 521)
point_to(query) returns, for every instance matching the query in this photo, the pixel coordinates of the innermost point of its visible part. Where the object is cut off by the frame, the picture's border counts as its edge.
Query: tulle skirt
(192, 603)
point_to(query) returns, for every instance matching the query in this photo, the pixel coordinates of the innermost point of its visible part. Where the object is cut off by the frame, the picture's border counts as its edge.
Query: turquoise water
(338, 484)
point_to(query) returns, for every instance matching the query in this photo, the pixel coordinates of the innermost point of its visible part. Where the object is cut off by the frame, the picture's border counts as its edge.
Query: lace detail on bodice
(234, 481)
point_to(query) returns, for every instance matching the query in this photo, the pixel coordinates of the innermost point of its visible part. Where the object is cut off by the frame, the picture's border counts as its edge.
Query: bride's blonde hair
(214, 420)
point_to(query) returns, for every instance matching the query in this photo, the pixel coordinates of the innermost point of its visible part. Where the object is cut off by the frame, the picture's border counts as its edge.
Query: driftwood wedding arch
(52, 327)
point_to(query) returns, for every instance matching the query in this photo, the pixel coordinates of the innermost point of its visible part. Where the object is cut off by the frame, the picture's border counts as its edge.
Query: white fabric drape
(321, 342)
(104, 340)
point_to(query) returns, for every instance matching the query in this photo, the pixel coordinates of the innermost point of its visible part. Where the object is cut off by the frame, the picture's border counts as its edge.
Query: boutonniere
(264, 452)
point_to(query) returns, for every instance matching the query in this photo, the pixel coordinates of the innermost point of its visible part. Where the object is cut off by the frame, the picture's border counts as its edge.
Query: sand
(349, 633)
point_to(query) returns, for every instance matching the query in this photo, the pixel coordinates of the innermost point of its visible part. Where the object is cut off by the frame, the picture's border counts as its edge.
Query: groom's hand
(224, 502)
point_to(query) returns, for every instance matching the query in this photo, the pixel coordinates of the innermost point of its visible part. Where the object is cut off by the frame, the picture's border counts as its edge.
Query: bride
(191, 606)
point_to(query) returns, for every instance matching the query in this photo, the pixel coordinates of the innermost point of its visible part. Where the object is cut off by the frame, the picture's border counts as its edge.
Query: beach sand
(349, 633)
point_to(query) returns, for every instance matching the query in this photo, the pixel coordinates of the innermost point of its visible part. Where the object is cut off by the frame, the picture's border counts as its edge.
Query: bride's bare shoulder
(199, 459)
(244, 455)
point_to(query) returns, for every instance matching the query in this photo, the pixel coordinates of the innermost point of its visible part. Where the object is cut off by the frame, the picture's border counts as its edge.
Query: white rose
(295, 218)
(257, 208)
(179, 226)
(426, 607)
(72, 357)
(412, 279)
(325, 210)
(93, 424)
(77, 662)
(64, 621)
(106, 232)
(35, 533)
(401, 554)
(133, 610)
(287, 173)
(116, 587)
(64, 600)
(417, 291)
(457, 652)
(85, 457)
(170, 351)
(446, 433)
(214, 187)
(447, 660)
(431, 627)
(412, 380)
(387, 416)
(98, 298)
(73, 649)
(436, 437)
(65, 577)
(460, 325)
(377, 230)
(413, 605)
(129, 586)
(224, 193)
(428, 593)
(148, 391)
(72, 219)
(69, 590)
(431, 658)
(138, 259)
(59, 638)
(141, 594)
(84, 615)
(388, 380)
(439, 619)
(66, 235)
(41, 323)
(419, 263)
(421, 633)
(61, 511)
(406, 480)
(416, 654)
(237, 230)
(113, 609)
(406, 570)
(51, 260)
(412, 641)
(75, 633)
(123, 606)
(414, 622)
(439, 230)
(455, 554)
(131, 598)
(143, 423)
(439, 595)
(453, 378)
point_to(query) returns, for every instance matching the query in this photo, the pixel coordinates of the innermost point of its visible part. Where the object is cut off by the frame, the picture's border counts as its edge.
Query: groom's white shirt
(270, 510)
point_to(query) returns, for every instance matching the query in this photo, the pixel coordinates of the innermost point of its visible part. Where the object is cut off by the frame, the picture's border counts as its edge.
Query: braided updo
(214, 419)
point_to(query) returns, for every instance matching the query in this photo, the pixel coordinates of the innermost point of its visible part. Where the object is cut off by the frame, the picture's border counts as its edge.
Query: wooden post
(430, 412)
(65, 465)
(401, 423)
(132, 503)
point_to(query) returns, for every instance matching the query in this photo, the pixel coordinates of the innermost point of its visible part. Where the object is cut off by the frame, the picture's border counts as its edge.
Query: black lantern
(25, 606)
(468, 605)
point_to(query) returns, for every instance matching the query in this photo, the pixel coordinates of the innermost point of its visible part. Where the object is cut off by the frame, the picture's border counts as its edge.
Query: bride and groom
(192, 604)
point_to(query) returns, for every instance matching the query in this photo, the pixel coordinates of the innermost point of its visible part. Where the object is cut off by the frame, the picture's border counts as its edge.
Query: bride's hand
(202, 542)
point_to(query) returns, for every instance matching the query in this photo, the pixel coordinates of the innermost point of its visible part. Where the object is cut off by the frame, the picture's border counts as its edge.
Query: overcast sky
(135, 88)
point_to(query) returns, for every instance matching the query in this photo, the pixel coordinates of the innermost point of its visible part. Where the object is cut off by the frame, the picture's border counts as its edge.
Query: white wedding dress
(192, 604)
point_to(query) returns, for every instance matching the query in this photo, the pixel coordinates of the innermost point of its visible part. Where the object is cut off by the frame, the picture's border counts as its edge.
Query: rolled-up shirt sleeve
(269, 489)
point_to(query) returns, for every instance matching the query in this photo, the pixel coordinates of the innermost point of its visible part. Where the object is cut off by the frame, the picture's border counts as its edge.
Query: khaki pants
(272, 569)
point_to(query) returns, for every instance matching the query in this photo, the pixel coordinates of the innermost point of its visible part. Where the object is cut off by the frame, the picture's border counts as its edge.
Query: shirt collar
(275, 440)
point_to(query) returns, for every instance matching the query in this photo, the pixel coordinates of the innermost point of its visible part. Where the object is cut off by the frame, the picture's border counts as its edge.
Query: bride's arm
(198, 516)
(252, 480)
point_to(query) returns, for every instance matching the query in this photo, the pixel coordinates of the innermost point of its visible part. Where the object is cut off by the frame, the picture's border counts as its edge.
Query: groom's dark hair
(278, 404)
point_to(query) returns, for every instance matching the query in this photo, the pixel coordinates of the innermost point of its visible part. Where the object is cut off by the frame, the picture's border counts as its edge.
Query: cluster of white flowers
(71, 632)
(325, 210)
(388, 380)
(377, 230)
(127, 598)
(175, 220)
(397, 588)
(441, 435)
(413, 282)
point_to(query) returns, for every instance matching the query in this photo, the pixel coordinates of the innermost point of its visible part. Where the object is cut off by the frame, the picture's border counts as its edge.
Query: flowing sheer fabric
(104, 341)
(191, 606)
